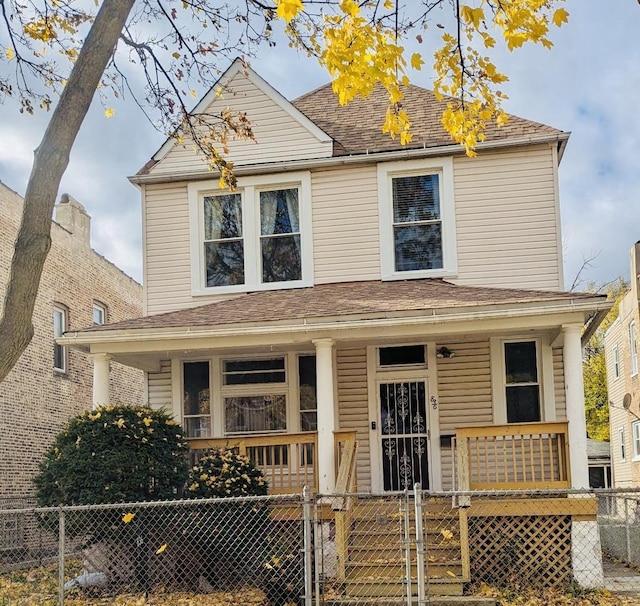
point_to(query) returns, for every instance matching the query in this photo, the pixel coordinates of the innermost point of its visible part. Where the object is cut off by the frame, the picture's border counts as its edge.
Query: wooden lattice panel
(527, 550)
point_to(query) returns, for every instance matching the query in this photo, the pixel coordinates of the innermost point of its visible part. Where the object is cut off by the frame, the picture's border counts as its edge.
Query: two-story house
(51, 383)
(410, 297)
(623, 383)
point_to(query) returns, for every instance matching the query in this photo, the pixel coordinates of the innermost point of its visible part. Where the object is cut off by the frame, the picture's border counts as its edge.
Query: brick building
(50, 383)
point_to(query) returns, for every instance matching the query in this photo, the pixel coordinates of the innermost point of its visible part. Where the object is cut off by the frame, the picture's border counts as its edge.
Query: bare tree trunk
(50, 161)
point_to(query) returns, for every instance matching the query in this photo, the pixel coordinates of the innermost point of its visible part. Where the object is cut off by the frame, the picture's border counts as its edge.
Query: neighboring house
(51, 383)
(599, 455)
(623, 383)
(410, 297)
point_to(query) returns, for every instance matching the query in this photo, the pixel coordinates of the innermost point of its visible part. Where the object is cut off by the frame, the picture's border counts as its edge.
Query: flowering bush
(221, 472)
(114, 454)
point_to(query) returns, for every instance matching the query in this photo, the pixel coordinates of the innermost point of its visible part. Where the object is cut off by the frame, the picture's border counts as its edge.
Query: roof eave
(451, 149)
(84, 339)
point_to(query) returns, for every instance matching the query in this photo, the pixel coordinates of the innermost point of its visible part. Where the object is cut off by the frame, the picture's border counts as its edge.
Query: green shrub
(114, 454)
(221, 472)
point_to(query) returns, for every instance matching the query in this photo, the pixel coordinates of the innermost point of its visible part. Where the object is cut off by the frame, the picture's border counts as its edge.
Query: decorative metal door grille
(403, 417)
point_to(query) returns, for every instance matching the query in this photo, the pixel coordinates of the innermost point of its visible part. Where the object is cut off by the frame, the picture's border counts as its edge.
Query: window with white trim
(196, 400)
(417, 220)
(633, 348)
(257, 237)
(59, 327)
(616, 362)
(635, 433)
(522, 382)
(621, 445)
(99, 312)
(254, 395)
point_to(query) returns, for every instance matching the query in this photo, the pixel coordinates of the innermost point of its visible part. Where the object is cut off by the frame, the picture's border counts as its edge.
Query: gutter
(79, 339)
(366, 158)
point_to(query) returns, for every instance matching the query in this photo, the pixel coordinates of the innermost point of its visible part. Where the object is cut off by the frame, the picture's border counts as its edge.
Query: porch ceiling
(350, 311)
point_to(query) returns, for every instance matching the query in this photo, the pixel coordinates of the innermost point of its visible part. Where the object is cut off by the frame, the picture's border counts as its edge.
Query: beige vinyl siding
(464, 390)
(507, 221)
(159, 386)
(354, 406)
(346, 240)
(464, 386)
(279, 136)
(558, 384)
(167, 255)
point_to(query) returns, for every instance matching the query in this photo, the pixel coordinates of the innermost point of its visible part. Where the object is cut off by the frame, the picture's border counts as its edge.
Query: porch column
(101, 363)
(574, 390)
(586, 551)
(326, 415)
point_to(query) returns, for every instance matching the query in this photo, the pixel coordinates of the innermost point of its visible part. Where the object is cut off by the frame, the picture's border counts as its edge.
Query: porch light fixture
(444, 352)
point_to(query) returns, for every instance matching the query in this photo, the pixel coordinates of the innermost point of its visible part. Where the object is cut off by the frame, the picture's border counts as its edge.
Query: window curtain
(222, 217)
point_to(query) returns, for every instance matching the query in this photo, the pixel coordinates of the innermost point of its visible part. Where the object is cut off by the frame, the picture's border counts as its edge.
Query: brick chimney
(71, 215)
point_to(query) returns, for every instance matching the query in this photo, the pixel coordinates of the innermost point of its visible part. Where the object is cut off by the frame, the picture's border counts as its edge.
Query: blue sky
(588, 84)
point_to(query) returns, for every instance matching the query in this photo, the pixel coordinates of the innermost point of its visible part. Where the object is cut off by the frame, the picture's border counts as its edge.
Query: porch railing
(515, 456)
(288, 461)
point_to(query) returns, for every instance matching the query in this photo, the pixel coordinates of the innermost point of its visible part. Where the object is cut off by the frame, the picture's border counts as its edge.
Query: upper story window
(258, 237)
(99, 314)
(59, 327)
(522, 382)
(635, 429)
(633, 348)
(621, 444)
(417, 220)
(616, 362)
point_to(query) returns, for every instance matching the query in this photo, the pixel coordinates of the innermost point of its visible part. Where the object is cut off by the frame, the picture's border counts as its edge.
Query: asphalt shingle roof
(341, 300)
(356, 127)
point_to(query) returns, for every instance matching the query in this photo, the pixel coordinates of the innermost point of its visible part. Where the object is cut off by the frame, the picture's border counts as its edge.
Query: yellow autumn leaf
(10, 53)
(417, 61)
(127, 517)
(161, 549)
(109, 113)
(560, 16)
(288, 9)
(193, 93)
(451, 574)
(388, 4)
(447, 534)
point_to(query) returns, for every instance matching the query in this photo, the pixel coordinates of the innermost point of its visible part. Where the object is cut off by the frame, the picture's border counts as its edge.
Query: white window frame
(101, 309)
(544, 355)
(633, 348)
(62, 312)
(615, 354)
(249, 188)
(635, 438)
(622, 447)
(387, 171)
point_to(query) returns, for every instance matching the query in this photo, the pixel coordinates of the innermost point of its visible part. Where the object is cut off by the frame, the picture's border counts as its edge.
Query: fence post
(627, 530)
(308, 563)
(404, 508)
(420, 545)
(61, 540)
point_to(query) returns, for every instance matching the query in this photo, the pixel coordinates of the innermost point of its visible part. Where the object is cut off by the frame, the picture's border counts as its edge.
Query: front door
(404, 433)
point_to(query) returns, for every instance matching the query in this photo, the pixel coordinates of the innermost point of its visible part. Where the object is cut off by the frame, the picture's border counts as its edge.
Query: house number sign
(434, 402)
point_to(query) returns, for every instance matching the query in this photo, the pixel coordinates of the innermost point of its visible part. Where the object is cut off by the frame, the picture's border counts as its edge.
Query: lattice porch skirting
(527, 550)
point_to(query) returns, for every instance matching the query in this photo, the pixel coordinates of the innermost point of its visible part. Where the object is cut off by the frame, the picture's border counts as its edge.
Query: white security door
(404, 434)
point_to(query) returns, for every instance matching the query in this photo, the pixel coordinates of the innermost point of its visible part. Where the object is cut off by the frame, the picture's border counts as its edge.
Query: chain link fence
(400, 548)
